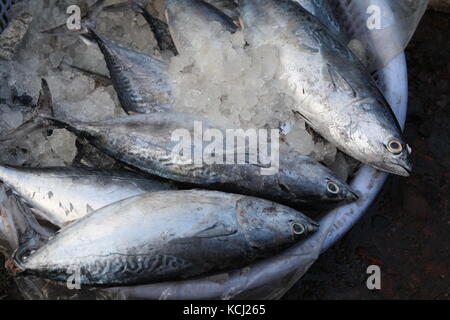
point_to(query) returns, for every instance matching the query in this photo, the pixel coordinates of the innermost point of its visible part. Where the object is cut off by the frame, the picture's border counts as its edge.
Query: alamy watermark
(374, 19)
(234, 146)
(374, 280)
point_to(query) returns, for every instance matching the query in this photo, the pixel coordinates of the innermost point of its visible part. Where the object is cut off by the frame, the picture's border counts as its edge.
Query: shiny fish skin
(168, 235)
(141, 81)
(65, 194)
(322, 10)
(144, 142)
(335, 93)
(229, 7)
(193, 13)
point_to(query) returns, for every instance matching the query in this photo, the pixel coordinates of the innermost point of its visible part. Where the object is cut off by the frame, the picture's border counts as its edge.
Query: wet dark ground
(406, 231)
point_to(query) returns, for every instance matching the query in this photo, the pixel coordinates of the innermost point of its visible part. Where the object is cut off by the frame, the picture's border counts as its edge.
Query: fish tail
(159, 28)
(43, 116)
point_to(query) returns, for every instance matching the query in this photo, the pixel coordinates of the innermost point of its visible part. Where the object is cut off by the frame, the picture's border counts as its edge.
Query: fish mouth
(401, 169)
(352, 195)
(313, 226)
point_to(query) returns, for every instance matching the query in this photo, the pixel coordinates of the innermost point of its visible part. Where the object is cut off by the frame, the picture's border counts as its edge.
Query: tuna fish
(167, 235)
(149, 143)
(334, 92)
(64, 194)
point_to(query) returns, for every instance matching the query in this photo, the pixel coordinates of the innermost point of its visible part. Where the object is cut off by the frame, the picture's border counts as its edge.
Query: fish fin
(28, 214)
(339, 82)
(215, 230)
(99, 78)
(67, 223)
(41, 118)
(307, 120)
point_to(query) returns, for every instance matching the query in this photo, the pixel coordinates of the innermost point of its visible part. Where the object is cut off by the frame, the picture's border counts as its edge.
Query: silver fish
(145, 142)
(64, 194)
(335, 93)
(168, 235)
(193, 13)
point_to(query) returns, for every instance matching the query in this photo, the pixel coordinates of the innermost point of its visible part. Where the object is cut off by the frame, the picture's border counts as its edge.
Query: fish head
(376, 139)
(315, 182)
(268, 225)
(194, 24)
(295, 224)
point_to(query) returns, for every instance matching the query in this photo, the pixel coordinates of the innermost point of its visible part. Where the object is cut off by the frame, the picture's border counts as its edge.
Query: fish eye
(394, 146)
(298, 228)
(332, 187)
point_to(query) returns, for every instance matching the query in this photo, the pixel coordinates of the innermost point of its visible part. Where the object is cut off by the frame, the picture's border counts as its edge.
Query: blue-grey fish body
(333, 90)
(150, 142)
(168, 235)
(64, 194)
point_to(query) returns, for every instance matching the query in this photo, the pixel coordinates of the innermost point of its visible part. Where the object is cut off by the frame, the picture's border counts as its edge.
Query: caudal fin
(41, 118)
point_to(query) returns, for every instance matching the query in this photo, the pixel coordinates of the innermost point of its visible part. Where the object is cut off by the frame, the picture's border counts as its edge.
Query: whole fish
(141, 81)
(168, 235)
(193, 13)
(64, 194)
(149, 142)
(334, 92)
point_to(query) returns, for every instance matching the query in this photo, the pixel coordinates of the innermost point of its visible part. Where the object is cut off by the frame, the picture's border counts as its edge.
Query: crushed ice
(227, 81)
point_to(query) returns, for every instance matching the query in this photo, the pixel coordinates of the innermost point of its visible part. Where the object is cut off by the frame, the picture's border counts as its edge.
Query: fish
(149, 143)
(194, 13)
(334, 93)
(141, 81)
(65, 194)
(167, 235)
